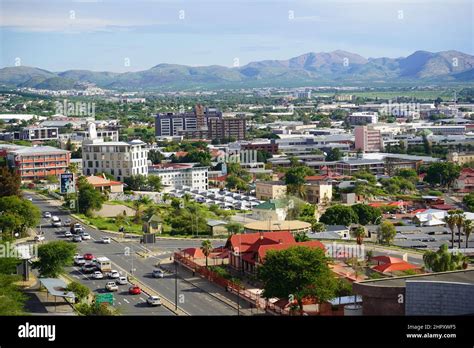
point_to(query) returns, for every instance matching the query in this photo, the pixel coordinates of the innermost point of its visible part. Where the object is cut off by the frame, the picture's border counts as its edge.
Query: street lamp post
(175, 285)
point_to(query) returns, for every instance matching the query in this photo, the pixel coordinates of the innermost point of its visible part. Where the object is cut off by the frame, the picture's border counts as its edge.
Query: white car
(122, 280)
(113, 274)
(55, 218)
(158, 273)
(47, 214)
(57, 224)
(39, 238)
(154, 301)
(85, 236)
(111, 286)
(106, 240)
(80, 261)
(97, 275)
(67, 234)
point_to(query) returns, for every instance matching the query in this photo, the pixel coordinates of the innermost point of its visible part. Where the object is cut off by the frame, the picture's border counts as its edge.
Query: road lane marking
(126, 300)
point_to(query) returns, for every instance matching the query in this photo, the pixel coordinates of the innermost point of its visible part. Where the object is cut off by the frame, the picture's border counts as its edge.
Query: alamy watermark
(345, 251)
(242, 156)
(68, 108)
(400, 109)
(18, 251)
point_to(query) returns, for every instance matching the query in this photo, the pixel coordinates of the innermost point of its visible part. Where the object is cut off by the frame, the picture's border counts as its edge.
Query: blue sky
(120, 35)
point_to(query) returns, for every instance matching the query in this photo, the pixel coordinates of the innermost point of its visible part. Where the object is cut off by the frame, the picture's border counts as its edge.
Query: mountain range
(328, 68)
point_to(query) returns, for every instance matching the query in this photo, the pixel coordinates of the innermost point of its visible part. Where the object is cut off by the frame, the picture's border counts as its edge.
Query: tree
(233, 182)
(387, 232)
(339, 215)
(10, 182)
(296, 273)
(359, 234)
(334, 155)
(459, 219)
(17, 215)
(442, 260)
(206, 247)
(135, 182)
(301, 237)
(318, 227)
(450, 220)
(53, 257)
(366, 214)
(442, 173)
(234, 228)
(81, 291)
(154, 182)
(90, 199)
(295, 180)
(155, 156)
(409, 174)
(468, 201)
(468, 227)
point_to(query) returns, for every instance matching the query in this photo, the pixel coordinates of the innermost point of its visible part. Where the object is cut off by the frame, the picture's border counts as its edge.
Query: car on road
(47, 214)
(158, 273)
(67, 222)
(67, 234)
(122, 280)
(111, 286)
(97, 275)
(106, 240)
(79, 261)
(85, 236)
(89, 268)
(39, 238)
(30, 199)
(57, 224)
(77, 239)
(134, 290)
(153, 301)
(88, 256)
(55, 218)
(113, 274)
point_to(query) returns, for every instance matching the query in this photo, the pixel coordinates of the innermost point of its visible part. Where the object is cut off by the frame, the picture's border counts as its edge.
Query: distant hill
(337, 68)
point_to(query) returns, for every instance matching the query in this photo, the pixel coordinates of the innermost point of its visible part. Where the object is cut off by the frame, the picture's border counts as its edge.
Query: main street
(124, 258)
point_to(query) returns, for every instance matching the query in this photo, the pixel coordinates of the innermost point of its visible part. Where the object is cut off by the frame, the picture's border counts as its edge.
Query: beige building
(265, 190)
(460, 158)
(318, 193)
(367, 139)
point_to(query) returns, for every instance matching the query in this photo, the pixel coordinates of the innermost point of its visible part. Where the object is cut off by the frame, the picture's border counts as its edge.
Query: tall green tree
(334, 155)
(90, 199)
(359, 234)
(367, 214)
(17, 215)
(442, 260)
(450, 220)
(53, 257)
(442, 173)
(339, 215)
(10, 182)
(296, 273)
(206, 247)
(468, 226)
(386, 232)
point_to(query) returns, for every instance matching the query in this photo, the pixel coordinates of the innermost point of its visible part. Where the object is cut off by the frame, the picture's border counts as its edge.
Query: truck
(104, 264)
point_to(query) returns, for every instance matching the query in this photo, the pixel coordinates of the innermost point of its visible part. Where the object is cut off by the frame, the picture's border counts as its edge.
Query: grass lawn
(110, 224)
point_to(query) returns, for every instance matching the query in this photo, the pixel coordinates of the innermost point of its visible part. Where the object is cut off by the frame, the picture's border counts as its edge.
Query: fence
(230, 286)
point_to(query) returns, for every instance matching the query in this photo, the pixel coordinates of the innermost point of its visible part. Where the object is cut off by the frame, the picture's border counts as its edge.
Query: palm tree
(442, 260)
(206, 247)
(459, 224)
(450, 220)
(468, 227)
(359, 233)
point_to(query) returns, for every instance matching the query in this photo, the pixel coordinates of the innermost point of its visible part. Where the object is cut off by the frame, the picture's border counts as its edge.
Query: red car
(88, 257)
(134, 290)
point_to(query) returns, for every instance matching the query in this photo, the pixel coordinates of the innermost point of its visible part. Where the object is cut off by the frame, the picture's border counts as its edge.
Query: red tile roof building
(248, 250)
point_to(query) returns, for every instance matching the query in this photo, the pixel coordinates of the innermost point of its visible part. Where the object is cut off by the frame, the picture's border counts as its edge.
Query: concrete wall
(381, 300)
(439, 298)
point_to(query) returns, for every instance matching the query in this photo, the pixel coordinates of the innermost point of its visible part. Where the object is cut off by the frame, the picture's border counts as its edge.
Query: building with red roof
(465, 182)
(247, 251)
(389, 264)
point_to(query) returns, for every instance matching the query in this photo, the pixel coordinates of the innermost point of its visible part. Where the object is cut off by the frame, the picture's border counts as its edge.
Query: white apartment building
(117, 158)
(178, 175)
(361, 118)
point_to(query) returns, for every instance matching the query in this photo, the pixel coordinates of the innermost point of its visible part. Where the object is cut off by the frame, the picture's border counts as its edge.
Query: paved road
(191, 299)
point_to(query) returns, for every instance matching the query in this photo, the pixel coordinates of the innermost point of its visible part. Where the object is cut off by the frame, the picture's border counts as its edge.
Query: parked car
(85, 236)
(106, 240)
(158, 273)
(67, 234)
(113, 274)
(154, 301)
(47, 214)
(79, 261)
(134, 290)
(97, 275)
(77, 239)
(88, 256)
(122, 280)
(111, 286)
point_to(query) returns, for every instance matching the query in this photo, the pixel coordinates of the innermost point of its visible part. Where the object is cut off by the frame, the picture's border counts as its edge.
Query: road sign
(102, 298)
(67, 183)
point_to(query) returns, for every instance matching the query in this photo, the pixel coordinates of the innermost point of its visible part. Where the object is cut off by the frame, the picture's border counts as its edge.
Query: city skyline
(120, 36)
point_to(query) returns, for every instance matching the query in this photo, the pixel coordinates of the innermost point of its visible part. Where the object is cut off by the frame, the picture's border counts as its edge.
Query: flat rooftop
(463, 276)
